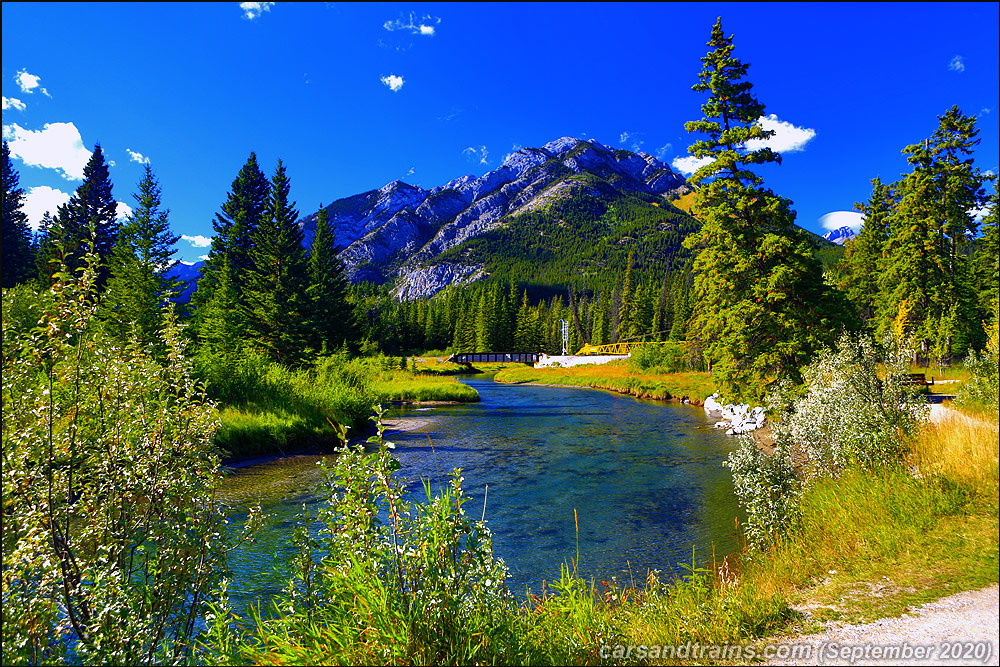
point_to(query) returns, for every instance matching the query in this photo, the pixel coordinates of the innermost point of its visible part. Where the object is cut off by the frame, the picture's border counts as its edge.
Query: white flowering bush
(768, 490)
(982, 390)
(854, 409)
(851, 413)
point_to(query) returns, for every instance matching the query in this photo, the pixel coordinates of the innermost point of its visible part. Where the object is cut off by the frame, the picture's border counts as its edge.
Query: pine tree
(139, 284)
(91, 212)
(330, 320)
(926, 262)
(220, 328)
(18, 262)
(987, 256)
(630, 313)
(761, 306)
(862, 262)
(241, 214)
(275, 291)
(522, 330)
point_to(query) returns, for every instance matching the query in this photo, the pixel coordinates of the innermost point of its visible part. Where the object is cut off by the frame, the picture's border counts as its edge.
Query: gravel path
(940, 414)
(967, 624)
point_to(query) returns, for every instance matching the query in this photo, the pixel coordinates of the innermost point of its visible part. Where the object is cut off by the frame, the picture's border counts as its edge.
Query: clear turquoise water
(646, 479)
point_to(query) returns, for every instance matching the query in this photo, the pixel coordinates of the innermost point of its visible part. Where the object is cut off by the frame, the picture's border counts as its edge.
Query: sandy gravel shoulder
(961, 629)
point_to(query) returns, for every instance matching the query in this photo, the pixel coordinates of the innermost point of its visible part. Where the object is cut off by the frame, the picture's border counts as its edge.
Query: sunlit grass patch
(619, 377)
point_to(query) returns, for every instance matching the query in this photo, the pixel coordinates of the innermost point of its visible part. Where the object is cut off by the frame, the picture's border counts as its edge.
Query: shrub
(110, 539)
(844, 416)
(768, 491)
(848, 414)
(668, 357)
(379, 579)
(981, 391)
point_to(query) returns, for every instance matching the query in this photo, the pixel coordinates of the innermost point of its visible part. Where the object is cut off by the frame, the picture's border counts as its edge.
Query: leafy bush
(668, 357)
(110, 540)
(768, 490)
(845, 416)
(980, 393)
(380, 579)
(850, 415)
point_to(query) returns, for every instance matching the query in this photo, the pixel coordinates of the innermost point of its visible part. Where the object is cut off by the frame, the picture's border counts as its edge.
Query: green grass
(268, 408)
(619, 377)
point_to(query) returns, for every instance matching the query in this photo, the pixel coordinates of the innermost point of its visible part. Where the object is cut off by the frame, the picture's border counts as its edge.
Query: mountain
(188, 275)
(570, 201)
(840, 236)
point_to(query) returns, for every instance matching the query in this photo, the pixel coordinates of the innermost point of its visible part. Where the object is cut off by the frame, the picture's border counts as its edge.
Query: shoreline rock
(736, 418)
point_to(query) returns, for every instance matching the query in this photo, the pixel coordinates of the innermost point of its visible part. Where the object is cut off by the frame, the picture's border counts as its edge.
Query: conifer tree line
(918, 253)
(492, 316)
(260, 288)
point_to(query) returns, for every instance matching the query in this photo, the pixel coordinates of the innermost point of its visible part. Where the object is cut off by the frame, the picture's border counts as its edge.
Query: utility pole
(564, 328)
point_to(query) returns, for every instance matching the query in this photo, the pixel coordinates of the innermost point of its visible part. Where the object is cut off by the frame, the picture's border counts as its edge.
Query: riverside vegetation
(116, 416)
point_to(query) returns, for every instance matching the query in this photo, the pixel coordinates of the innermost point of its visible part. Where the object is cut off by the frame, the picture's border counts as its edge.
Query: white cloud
(838, 219)
(123, 210)
(198, 241)
(13, 103)
(423, 25)
(636, 144)
(787, 137)
(137, 157)
(38, 201)
(980, 212)
(513, 149)
(28, 83)
(252, 10)
(662, 151)
(56, 146)
(410, 172)
(394, 82)
(471, 153)
(203, 257)
(689, 164)
(956, 64)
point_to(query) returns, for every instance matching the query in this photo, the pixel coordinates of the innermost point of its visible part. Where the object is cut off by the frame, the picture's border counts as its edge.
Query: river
(645, 478)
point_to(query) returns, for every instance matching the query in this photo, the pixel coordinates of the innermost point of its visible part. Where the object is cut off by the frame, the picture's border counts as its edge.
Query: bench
(918, 379)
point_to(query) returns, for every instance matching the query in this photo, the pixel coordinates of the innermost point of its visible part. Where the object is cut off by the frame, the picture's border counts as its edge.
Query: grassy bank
(268, 408)
(617, 376)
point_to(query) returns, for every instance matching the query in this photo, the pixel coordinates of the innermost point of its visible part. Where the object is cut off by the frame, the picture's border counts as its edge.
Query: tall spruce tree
(925, 259)
(139, 266)
(275, 291)
(987, 255)
(92, 210)
(862, 263)
(330, 318)
(17, 261)
(761, 305)
(234, 225)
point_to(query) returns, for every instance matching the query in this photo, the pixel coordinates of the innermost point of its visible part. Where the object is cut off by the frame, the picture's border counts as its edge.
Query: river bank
(691, 387)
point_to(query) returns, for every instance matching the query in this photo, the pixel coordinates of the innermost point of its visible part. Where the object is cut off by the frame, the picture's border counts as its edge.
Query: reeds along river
(645, 478)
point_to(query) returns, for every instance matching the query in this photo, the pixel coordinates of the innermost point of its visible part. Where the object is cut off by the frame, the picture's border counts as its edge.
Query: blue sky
(353, 96)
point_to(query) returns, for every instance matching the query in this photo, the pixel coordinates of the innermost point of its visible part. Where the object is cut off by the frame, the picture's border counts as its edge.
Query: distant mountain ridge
(398, 233)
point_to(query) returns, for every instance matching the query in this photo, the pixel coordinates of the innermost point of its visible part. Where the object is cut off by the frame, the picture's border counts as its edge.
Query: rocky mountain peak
(841, 235)
(394, 233)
